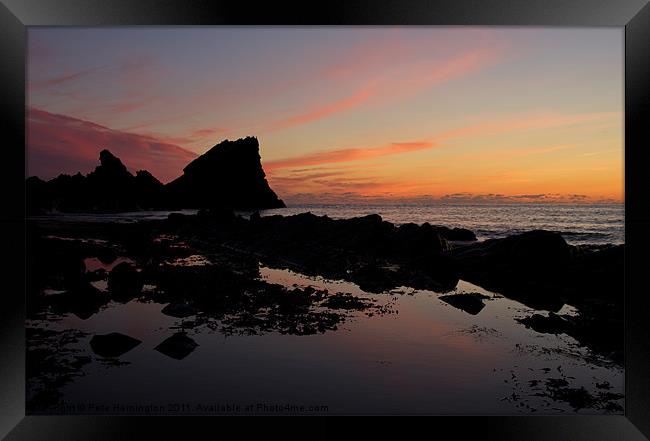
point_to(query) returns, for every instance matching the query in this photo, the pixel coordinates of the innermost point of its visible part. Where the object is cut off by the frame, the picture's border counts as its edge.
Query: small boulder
(179, 310)
(178, 346)
(551, 324)
(456, 234)
(414, 240)
(113, 344)
(124, 281)
(471, 303)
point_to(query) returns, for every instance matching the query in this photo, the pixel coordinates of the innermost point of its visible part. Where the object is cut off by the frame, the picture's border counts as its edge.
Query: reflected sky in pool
(422, 356)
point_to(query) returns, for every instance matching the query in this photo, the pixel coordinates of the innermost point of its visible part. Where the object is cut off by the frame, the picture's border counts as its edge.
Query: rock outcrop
(113, 345)
(375, 254)
(229, 175)
(178, 346)
(109, 188)
(539, 269)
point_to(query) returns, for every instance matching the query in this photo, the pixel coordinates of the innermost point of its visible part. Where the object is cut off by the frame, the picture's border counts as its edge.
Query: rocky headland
(229, 175)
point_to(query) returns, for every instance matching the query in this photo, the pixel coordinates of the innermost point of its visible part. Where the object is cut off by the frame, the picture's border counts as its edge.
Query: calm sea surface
(579, 224)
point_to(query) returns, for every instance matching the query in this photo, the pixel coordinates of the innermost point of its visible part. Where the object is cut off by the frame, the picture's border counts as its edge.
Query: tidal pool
(415, 353)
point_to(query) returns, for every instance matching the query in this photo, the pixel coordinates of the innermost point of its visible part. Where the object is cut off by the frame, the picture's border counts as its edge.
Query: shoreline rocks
(112, 345)
(537, 268)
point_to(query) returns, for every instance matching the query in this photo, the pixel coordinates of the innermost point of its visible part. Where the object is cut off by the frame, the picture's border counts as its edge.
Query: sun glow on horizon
(343, 115)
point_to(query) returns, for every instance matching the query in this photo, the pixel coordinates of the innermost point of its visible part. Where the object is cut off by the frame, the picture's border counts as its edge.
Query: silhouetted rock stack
(109, 188)
(113, 188)
(229, 175)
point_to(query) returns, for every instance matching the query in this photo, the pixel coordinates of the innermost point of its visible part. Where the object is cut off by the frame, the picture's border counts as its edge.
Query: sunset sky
(342, 114)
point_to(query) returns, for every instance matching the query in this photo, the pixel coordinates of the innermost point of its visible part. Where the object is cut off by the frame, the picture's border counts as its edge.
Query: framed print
(431, 209)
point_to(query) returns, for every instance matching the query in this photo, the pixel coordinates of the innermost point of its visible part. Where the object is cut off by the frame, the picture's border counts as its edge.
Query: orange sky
(342, 114)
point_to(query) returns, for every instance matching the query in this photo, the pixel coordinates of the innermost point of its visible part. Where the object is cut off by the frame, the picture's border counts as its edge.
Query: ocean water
(579, 224)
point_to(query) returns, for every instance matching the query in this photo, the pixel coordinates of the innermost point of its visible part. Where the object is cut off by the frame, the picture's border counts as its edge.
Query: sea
(580, 224)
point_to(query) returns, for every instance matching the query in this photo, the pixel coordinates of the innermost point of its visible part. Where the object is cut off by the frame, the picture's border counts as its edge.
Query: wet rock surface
(599, 330)
(537, 268)
(51, 362)
(179, 310)
(178, 346)
(113, 344)
(471, 303)
(540, 269)
(551, 386)
(124, 281)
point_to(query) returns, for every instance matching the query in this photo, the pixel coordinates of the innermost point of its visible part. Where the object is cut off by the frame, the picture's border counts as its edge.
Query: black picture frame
(17, 15)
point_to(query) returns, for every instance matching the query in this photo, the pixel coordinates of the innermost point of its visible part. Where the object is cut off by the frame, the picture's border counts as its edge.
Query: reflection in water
(411, 352)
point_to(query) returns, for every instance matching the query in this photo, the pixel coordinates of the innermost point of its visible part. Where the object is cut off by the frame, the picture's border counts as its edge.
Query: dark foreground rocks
(178, 346)
(208, 264)
(541, 270)
(113, 344)
(179, 310)
(537, 268)
(471, 303)
(375, 254)
(124, 281)
(51, 362)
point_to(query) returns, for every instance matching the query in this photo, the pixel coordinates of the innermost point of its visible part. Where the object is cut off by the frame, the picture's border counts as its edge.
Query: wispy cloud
(205, 133)
(127, 106)
(59, 143)
(357, 98)
(395, 84)
(63, 79)
(540, 121)
(350, 154)
(495, 127)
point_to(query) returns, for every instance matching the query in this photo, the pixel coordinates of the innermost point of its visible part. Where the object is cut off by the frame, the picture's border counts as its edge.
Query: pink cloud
(420, 76)
(351, 154)
(203, 133)
(203, 136)
(128, 106)
(359, 97)
(62, 144)
(495, 127)
(63, 79)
